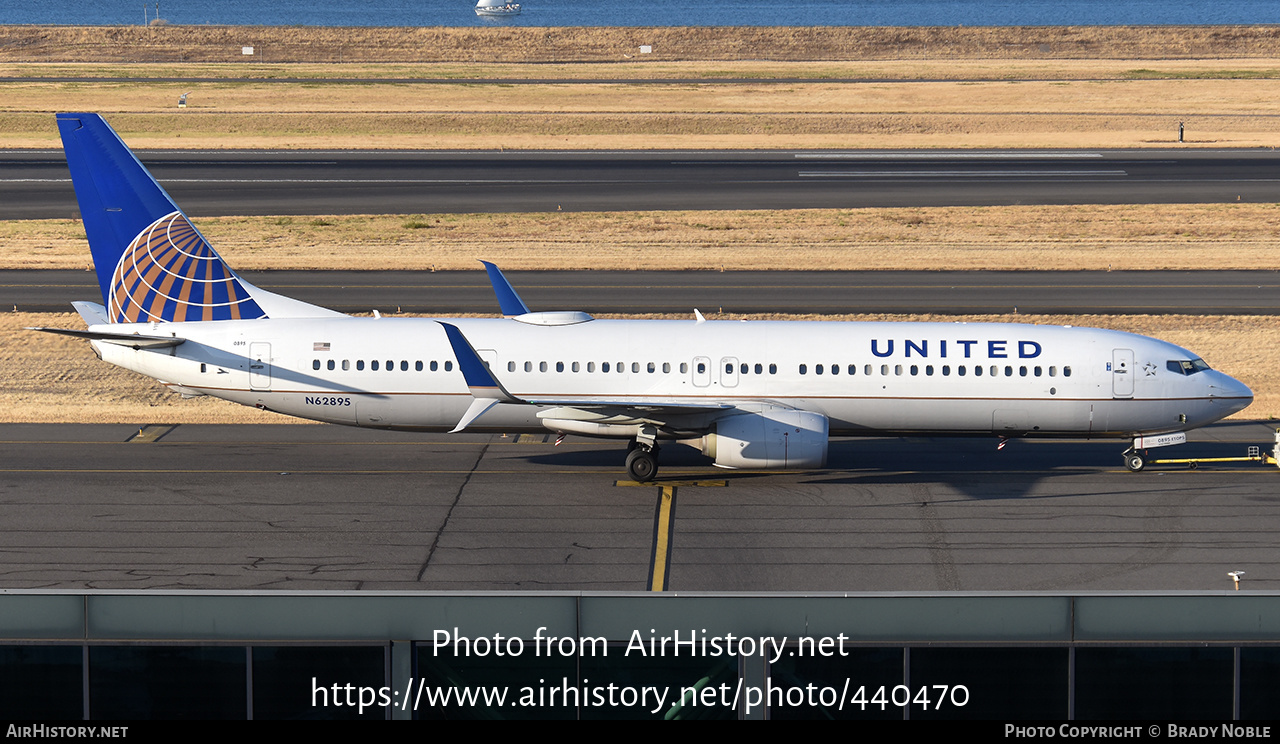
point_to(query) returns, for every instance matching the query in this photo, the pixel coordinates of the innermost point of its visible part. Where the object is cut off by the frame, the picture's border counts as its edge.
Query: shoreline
(400, 45)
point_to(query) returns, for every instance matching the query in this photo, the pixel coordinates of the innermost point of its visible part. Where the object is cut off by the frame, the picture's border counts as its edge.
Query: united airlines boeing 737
(751, 394)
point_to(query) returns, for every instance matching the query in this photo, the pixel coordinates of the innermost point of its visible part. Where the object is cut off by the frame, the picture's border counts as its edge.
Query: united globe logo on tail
(171, 273)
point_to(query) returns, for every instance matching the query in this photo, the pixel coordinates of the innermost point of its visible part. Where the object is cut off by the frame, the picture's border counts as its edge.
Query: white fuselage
(867, 378)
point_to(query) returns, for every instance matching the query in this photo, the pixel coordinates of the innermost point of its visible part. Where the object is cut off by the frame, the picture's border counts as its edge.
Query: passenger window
(391, 365)
(773, 369)
(591, 367)
(604, 366)
(666, 368)
(684, 368)
(652, 368)
(417, 366)
(374, 365)
(1008, 371)
(332, 364)
(1053, 371)
(759, 369)
(835, 369)
(915, 370)
(946, 370)
(436, 365)
(897, 370)
(884, 369)
(635, 368)
(1022, 371)
(542, 366)
(977, 371)
(576, 367)
(559, 366)
(511, 366)
(961, 370)
(1066, 371)
(928, 370)
(1036, 371)
(866, 370)
(853, 369)
(359, 365)
(404, 365)
(817, 368)
(315, 364)
(804, 369)
(346, 365)
(448, 366)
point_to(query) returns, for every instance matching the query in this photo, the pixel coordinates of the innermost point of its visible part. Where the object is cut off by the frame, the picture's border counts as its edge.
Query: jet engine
(772, 438)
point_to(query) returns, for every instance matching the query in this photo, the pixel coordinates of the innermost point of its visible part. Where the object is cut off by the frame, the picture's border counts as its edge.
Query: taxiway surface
(36, 184)
(823, 292)
(323, 507)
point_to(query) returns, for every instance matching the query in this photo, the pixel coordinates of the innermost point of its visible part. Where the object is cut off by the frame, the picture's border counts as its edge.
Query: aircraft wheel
(642, 465)
(1134, 461)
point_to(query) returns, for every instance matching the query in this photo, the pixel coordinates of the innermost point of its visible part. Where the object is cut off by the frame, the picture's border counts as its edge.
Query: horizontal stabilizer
(131, 340)
(93, 313)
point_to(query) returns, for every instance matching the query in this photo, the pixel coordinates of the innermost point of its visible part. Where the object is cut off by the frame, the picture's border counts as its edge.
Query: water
(651, 12)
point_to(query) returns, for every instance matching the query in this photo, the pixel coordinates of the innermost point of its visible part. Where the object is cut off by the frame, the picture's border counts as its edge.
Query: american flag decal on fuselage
(171, 273)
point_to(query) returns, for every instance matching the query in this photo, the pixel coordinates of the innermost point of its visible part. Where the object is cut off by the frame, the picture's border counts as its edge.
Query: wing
(487, 392)
(131, 340)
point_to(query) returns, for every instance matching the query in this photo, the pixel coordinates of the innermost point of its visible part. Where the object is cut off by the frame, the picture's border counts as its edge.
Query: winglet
(484, 387)
(508, 300)
(481, 381)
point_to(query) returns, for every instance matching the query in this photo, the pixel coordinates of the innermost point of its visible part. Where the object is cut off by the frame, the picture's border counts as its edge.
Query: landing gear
(642, 464)
(642, 455)
(1134, 460)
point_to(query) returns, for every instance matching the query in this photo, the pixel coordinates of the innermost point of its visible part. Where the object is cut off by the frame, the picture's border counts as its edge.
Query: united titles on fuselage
(995, 349)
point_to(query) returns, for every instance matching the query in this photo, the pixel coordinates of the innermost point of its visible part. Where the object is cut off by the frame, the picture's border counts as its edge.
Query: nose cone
(1229, 392)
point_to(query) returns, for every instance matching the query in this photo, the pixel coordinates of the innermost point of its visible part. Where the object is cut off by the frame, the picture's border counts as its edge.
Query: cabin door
(1122, 373)
(260, 365)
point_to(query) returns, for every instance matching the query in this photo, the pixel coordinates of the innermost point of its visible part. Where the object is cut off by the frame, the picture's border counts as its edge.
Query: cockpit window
(1186, 367)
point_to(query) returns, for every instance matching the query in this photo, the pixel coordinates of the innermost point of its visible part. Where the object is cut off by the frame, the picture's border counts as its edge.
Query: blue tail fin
(152, 264)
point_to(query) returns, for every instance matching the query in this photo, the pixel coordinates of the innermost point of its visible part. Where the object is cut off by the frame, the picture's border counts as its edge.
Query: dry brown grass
(965, 112)
(541, 45)
(1183, 236)
(55, 379)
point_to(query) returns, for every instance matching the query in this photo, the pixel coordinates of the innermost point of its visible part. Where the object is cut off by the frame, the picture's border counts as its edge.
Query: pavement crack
(449, 514)
(935, 535)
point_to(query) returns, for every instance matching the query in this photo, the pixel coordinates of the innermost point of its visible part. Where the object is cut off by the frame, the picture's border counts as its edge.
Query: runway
(823, 292)
(36, 184)
(322, 507)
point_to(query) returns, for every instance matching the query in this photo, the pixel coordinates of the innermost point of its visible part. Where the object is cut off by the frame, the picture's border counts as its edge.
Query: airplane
(749, 394)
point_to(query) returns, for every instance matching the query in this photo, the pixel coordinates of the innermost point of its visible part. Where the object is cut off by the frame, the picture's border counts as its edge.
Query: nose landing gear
(1134, 460)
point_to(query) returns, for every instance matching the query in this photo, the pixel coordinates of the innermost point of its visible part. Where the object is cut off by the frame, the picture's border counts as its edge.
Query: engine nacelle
(772, 438)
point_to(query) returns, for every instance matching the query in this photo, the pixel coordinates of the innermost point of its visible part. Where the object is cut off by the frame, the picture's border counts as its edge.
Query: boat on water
(497, 8)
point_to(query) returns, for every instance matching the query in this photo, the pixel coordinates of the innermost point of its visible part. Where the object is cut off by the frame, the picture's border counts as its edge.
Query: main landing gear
(642, 464)
(642, 456)
(1135, 460)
